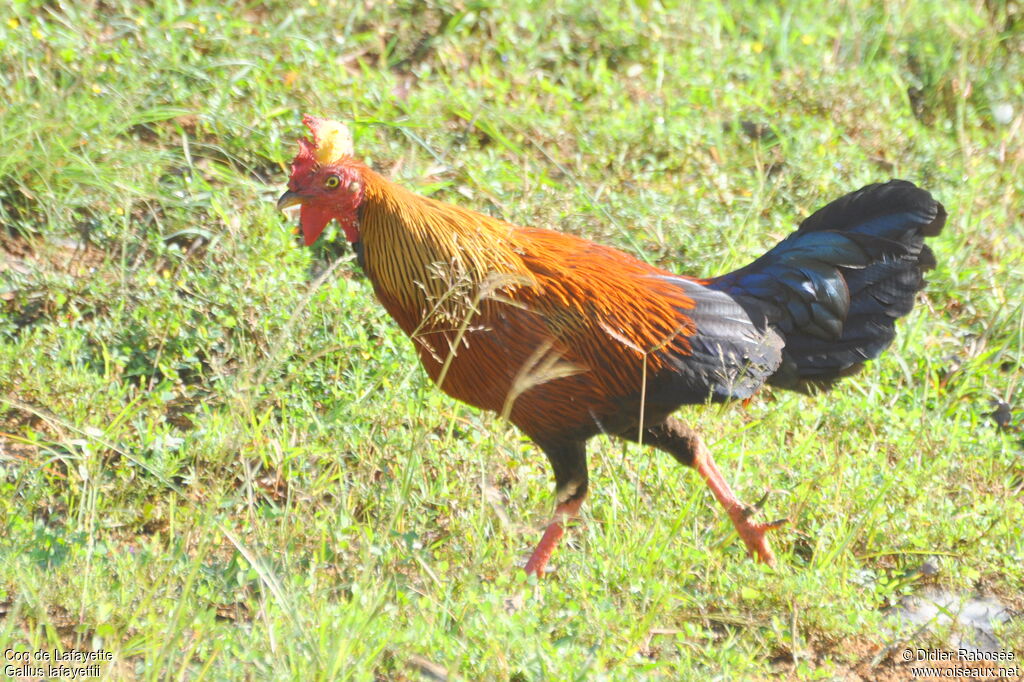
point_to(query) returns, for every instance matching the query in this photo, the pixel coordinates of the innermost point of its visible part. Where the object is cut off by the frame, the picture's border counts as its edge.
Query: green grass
(216, 465)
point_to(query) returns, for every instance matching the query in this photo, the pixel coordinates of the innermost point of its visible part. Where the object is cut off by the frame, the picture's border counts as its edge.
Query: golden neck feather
(427, 256)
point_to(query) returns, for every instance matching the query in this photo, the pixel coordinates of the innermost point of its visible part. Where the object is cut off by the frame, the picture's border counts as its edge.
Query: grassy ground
(215, 464)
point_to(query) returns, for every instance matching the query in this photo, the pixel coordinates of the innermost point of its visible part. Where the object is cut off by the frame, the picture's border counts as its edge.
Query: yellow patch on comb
(333, 141)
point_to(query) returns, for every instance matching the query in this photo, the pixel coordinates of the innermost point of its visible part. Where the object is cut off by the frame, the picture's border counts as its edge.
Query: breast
(506, 360)
(488, 360)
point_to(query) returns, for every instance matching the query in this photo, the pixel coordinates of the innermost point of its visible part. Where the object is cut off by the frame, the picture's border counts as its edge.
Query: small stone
(1003, 113)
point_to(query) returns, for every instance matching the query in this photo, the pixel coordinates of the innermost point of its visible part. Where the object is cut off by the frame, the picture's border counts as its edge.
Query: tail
(835, 287)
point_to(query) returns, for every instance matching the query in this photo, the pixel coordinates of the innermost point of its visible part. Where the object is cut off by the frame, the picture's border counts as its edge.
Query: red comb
(305, 161)
(331, 143)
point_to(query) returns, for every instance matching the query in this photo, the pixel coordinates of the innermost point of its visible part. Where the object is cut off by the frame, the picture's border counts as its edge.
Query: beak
(288, 199)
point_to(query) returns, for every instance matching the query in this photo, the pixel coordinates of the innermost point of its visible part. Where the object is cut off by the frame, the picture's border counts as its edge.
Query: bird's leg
(564, 513)
(688, 447)
(570, 465)
(753, 534)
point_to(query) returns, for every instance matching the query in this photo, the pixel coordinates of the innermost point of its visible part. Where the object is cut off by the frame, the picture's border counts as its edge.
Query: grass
(216, 463)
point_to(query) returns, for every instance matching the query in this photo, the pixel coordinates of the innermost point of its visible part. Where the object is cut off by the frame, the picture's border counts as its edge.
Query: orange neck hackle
(426, 255)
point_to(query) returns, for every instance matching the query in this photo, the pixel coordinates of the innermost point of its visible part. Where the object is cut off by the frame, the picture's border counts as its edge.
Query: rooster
(568, 339)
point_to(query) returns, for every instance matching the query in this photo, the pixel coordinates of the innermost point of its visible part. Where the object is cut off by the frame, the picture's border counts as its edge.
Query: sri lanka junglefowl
(569, 339)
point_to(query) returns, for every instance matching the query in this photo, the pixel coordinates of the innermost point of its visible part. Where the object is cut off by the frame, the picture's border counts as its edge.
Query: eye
(332, 181)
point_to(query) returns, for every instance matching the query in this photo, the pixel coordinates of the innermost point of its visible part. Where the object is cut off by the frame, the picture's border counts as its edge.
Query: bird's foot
(754, 534)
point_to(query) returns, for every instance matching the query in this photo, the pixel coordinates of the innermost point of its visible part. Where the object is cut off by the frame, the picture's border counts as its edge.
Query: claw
(750, 510)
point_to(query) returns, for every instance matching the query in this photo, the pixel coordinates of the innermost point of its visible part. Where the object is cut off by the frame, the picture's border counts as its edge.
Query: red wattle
(313, 220)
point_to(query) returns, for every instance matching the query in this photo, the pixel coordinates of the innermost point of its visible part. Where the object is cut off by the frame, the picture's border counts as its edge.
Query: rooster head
(326, 181)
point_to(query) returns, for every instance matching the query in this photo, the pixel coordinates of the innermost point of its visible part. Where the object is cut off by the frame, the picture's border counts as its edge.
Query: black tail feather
(835, 287)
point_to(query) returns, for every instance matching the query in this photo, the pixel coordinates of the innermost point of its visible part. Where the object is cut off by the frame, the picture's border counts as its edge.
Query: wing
(637, 328)
(731, 355)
